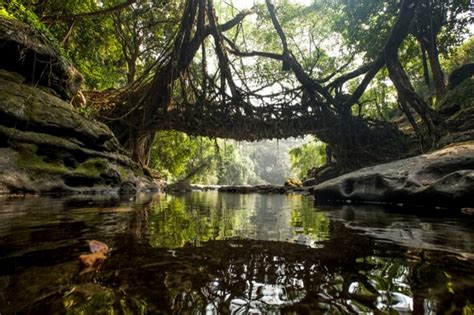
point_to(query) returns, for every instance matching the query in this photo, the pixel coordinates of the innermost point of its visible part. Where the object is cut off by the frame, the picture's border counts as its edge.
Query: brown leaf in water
(96, 246)
(91, 262)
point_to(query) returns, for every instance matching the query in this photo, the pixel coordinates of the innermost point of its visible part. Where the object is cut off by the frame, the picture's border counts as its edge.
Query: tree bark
(406, 92)
(438, 75)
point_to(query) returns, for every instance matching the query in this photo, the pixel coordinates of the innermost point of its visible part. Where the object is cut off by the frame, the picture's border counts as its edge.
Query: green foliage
(102, 46)
(5, 14)
(305, 157)
(460, 55)
(235, 168)
(174, 154)
(14, 9)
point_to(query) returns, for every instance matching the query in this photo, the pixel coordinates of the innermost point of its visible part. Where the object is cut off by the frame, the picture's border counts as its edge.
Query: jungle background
(115, 44)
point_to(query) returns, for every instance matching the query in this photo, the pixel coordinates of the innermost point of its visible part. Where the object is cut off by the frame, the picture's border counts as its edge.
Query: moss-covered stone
(28, 160)
(46, 146)
(11, 76)
(25, 50)
(93, 167)
(30, 108)
(459, 98)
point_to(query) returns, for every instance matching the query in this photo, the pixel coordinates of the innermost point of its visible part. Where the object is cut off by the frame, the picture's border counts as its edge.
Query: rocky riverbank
(443, 178)
(47, 147)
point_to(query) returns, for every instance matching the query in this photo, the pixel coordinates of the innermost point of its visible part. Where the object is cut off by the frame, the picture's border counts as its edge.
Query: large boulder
(443, 178)
(27, 52)
(457, 111)
(47, 146)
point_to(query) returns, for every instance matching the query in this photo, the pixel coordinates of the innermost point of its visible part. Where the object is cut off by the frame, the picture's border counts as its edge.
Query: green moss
(93, 167)
(16, 11)
(462, 96)
(11, 76)
(124, 173)
(27, 159)
(4, 13)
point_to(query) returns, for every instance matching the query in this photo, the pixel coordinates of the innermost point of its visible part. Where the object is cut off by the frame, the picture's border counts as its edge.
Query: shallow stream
(218, 253)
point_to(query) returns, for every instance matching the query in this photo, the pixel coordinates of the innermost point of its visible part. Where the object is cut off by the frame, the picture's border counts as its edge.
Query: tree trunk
(438, 75)
(426, 72)
(407, 95)
(140, 146)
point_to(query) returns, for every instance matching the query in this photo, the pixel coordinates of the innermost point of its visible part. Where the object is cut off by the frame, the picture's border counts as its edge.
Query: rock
(459, 98)
(443, 178)
(48, 147)
(293, 182)
(322, 173)
(327, 173)
(310, 182)
(457, 109)
(27, 108)
(11, 76)
(27, 52)
(460, 74)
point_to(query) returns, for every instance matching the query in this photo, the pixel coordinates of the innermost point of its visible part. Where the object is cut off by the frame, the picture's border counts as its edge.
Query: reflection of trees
(347, 273)
(310, 223)
(174, 221)
(271, 277)
(196, 218)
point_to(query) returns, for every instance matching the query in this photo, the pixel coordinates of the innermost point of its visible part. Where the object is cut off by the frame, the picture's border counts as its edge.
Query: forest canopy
(342, 71)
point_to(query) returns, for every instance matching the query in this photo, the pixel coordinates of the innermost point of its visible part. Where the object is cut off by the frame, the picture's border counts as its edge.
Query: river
(219, 253)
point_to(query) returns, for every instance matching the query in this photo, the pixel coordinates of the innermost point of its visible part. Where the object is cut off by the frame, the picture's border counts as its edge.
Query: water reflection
(175, 221)
(210, 253)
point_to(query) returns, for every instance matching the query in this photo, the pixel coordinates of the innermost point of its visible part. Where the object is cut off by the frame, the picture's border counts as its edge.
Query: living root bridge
(215, 105)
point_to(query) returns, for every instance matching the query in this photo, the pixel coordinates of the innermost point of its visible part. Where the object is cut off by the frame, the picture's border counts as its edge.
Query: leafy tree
(235, 169)
(323, 66)
(144, 31)
(305, 157)
(460, 55)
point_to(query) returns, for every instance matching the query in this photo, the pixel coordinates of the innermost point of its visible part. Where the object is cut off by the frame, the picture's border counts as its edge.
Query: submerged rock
(47, 146)
(443, 178)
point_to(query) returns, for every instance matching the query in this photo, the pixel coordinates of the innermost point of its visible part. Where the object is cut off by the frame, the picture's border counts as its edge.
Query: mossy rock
(46, 146)
(24, 51)
(294, 182)
(11, 76)
(457, 99)
(29, 108)
(28, 159)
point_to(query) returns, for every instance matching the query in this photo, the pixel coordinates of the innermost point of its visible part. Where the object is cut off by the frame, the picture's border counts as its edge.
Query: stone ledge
(443, 178)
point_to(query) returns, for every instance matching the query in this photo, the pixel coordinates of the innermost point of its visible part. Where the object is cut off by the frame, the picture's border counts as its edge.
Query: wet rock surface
(47, 147)
(443, 178)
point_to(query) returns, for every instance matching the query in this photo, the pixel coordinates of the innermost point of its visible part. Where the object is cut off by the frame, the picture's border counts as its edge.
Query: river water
(217, 253)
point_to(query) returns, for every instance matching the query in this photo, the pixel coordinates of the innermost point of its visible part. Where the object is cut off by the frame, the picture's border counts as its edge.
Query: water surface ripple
(218, 253)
